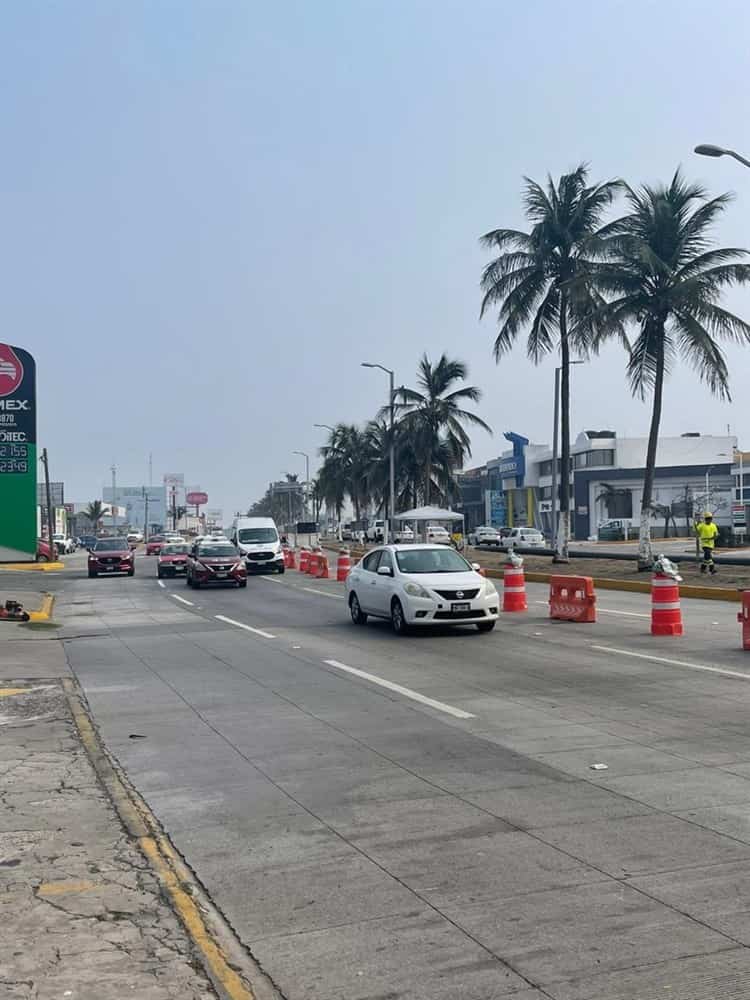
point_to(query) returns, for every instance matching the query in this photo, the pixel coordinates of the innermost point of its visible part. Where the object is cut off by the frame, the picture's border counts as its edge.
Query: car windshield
(156, 538)
(431, 561)
(221, 551)
(246, 535)
(112, 545)
(175, 550)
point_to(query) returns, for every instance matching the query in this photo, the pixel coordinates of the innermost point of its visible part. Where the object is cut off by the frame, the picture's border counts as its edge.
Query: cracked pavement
(81, 911)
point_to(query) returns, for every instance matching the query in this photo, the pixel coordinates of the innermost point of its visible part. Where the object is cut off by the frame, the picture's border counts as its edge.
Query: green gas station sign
(18, 462)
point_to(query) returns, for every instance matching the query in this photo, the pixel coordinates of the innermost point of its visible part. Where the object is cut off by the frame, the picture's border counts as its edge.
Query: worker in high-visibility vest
(707, 531)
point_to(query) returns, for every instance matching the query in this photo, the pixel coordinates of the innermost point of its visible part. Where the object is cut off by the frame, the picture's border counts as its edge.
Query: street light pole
(391, 450)
(707, 149)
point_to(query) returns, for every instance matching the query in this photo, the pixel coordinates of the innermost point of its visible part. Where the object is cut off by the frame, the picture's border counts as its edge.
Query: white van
(257, 538)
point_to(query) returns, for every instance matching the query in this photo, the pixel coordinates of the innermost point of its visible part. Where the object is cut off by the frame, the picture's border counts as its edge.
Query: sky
(213, 210)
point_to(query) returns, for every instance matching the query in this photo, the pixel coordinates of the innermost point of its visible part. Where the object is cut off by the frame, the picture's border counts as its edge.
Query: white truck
(258, 540)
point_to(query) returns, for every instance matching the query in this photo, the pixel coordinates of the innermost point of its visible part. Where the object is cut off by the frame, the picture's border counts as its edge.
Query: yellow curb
(637, 586)
(45, 567)
(9, 692)
(177, 881)
(44, 612)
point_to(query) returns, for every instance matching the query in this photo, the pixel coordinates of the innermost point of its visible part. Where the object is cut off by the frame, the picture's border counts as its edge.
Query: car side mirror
(476, 566)
(385, 571)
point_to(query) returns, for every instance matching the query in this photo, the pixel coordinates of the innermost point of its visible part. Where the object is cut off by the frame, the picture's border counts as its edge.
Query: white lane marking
(611, 611)
(161, 584)
(313, 590)
(248, 628)
(182, 600)
(458, 713)
(272, 579)
(674, 663)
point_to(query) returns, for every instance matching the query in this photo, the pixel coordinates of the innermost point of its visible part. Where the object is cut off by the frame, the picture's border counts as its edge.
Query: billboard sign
(195, 498)
(498, 510)
(18, 461)
(57, 494)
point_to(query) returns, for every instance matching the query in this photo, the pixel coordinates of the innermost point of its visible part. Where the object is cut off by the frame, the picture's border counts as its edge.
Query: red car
(172, 559)
(154, 545)
(215, 562)
(45, 552)
(111, 555)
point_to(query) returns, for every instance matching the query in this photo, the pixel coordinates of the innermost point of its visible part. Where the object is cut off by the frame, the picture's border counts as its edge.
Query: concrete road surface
(550, 810)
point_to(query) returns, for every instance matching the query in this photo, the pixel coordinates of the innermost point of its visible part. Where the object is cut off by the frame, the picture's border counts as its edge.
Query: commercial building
(134, 500)
(693, 471)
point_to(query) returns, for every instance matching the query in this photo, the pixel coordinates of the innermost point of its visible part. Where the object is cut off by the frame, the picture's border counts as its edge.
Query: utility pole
(50, 531)
(114, 498)
(150, 469)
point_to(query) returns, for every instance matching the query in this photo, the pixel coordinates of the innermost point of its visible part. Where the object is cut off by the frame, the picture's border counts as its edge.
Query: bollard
(304, 559)
(744, 618)
(323, 572)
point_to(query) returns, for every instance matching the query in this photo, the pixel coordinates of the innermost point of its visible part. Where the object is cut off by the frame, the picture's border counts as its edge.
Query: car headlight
(238, 565)
(489, 588)
(414, 590)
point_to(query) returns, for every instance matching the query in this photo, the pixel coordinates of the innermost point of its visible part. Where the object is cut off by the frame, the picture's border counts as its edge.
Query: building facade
(134, 500)
(693, 472)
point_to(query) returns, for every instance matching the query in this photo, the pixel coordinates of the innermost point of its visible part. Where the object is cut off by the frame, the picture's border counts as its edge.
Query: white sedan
(415, 585)
(484, 535)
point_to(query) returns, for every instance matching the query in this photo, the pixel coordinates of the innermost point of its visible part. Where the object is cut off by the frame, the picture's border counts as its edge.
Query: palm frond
(702, 352)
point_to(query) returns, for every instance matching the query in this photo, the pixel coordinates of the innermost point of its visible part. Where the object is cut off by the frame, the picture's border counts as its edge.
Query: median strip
(247, 628)
(457, 713)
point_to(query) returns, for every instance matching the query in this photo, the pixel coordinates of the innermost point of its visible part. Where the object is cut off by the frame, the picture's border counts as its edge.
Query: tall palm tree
(344, 468)
(529, 284)
(664, 275)
(95, 511)
(433, 416)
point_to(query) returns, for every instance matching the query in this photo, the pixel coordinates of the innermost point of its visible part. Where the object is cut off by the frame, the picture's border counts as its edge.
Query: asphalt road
(448, 837)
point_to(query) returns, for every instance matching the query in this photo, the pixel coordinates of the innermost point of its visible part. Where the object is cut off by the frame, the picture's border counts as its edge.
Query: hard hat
(707, 513)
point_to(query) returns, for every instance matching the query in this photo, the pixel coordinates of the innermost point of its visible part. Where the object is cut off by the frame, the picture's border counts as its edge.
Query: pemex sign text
(18, 462)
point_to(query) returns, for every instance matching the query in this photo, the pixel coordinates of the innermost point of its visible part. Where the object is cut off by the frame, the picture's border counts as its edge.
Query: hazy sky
(213, 210)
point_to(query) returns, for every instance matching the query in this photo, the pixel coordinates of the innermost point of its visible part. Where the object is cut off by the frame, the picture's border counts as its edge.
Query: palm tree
(344, 468)
(530, 284)
(665, 276)
(433, 418)
(95, 511)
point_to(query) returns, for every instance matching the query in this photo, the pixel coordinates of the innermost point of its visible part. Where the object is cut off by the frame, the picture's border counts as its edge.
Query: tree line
(650, 278)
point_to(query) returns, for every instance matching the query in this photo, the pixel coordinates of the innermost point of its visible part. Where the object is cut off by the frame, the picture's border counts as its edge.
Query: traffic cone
(666, 616)
(343, 565)
(514, 588)
(312, 563)
(323, 573)
(304, 559)
(292, 560)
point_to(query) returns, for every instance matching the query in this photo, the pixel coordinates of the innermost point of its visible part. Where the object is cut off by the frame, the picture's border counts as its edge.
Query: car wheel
(242, 583)
(159, 573)
(485, 626)
(397, 618)
(91, 574)
(281, 569)
(358, 615)
(41, 557)
(189, 581)
(196, 584)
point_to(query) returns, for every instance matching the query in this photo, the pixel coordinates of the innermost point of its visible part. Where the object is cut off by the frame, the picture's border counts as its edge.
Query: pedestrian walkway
(81, 912)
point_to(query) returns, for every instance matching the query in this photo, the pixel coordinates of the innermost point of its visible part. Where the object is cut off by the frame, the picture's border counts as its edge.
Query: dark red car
(172, 559)
(44, 551)
(111, 555)
(215, 562)
(154, 545)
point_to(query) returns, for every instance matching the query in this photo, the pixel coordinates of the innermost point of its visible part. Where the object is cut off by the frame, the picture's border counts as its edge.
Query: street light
(307, 473)
(706, 149)
(392, 459)
(555, 431)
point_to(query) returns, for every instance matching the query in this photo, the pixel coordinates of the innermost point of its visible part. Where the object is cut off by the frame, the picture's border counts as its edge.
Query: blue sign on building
(515, 465)
(498, 509)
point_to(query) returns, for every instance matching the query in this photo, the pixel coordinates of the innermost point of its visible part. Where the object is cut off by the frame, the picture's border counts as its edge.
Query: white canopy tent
(429, 514)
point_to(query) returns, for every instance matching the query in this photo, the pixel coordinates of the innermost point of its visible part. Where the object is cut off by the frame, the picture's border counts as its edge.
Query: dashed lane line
(310, 590)
(182, 600)
(248, 628)
(457, 713)
(161, 584)
(673, 663)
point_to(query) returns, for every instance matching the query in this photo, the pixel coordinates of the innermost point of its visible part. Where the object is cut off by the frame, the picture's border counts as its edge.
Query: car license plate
(109, 569)
(461, 606)
(222, 576)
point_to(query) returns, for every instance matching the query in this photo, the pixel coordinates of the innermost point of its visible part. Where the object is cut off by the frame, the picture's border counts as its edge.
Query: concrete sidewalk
(81, 911)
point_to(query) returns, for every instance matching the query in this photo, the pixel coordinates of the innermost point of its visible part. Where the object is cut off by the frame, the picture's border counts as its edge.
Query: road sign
(195, 499)
(739, 518)
(18, 459)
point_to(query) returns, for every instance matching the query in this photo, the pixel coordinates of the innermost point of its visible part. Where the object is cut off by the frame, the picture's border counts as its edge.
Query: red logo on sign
(11, 370)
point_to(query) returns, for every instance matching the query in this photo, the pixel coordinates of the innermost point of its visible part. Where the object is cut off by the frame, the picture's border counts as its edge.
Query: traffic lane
(275, 807)
(530, 694)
